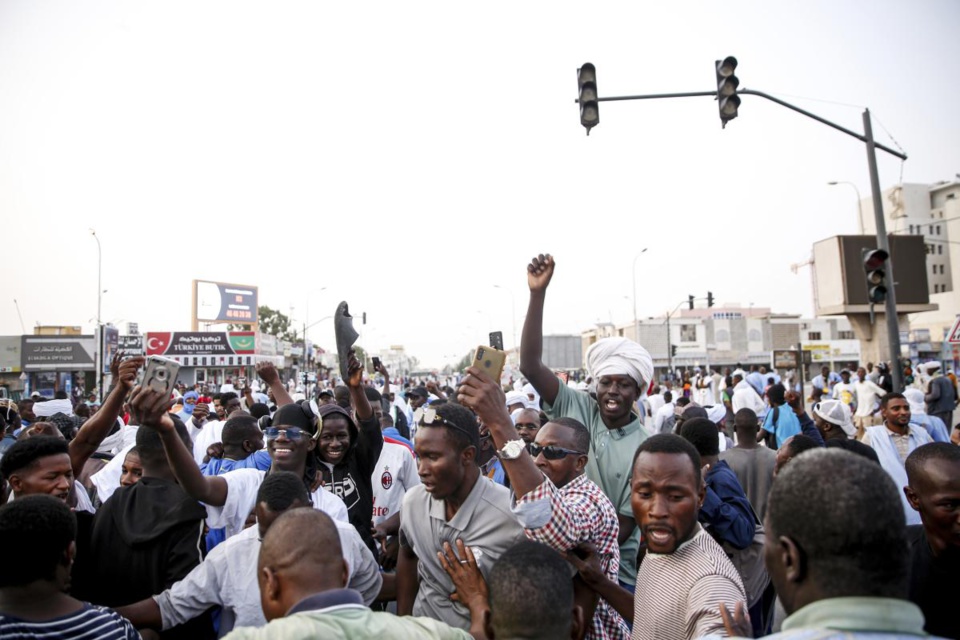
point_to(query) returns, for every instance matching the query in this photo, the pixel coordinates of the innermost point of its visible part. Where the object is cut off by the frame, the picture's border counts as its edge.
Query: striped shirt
(89, 623)
(678, 594)
(562, 519)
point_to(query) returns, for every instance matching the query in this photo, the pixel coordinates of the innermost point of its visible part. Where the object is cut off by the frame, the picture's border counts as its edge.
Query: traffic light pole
(893, 326)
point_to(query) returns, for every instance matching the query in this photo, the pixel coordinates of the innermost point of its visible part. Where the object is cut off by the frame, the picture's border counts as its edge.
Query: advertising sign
(220, 302)
(200, 343)
(785, 359)
(9, 354)
(131, 345)
(63, 353)
(111, 338)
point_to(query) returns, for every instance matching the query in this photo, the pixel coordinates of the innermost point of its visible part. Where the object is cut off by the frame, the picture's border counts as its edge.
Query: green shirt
(356, 622)
(610, 461)
(851, 618)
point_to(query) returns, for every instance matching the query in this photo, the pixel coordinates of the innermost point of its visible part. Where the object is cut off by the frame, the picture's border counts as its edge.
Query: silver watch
(512, 450)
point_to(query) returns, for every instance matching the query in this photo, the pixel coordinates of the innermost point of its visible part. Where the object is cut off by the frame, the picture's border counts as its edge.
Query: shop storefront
(210, 358)
(58, 363)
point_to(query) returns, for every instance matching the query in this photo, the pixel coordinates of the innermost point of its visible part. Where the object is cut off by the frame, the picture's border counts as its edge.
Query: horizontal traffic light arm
(752, 92)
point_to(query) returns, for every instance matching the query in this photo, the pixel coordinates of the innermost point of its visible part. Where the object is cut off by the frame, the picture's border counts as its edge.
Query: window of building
(813, 335)
(939, 249)
(938, 229)
(934, 269)
(931, 229)
(911, 229)
(845, 335)
(941, 269)
(688, 333)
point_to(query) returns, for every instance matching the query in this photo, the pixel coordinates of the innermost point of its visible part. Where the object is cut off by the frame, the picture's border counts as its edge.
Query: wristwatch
(512, 450)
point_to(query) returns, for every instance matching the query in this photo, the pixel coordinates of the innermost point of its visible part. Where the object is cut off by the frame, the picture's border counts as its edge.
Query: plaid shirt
(563, 518)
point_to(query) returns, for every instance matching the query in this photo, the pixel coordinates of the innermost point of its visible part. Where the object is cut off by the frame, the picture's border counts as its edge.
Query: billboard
(221, 302)
(57, 353)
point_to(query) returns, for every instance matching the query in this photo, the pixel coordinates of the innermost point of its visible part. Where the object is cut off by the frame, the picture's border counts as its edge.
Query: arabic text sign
(64, 353)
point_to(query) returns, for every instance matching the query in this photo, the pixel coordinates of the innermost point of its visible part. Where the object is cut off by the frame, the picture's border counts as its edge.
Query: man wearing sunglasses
(556, 503)
(231, 498)
(452, 502)
(623, 369)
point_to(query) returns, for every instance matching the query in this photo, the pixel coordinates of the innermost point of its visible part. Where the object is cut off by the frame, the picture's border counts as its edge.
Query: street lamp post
(99, 332)
(636, 325)
(834, 183)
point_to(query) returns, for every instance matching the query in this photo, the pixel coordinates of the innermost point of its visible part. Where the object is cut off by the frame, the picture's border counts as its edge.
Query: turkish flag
(157, 343)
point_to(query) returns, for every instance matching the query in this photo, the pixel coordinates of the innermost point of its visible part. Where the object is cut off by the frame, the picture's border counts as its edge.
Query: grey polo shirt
(484, 522)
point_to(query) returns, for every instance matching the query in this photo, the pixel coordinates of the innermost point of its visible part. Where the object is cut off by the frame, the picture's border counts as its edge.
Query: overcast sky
(408, 156)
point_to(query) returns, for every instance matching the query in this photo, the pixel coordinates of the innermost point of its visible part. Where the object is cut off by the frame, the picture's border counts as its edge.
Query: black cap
(325, 392)
(419, 391)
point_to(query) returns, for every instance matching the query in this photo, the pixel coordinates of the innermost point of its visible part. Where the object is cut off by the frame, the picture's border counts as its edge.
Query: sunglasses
(551, 452)
(292, 433)
(431, 417)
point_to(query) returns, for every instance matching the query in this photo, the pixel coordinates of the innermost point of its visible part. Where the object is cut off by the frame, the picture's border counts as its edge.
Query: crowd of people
(727, 504)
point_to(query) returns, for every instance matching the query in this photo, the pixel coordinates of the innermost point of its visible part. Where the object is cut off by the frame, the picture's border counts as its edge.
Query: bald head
(300, 556)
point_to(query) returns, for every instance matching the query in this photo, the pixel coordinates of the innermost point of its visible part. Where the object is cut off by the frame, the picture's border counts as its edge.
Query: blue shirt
(726, 512)
(787, 424)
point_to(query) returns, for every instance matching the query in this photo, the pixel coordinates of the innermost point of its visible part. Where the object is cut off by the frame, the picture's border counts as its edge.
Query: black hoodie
(350, 478)
(145, 538)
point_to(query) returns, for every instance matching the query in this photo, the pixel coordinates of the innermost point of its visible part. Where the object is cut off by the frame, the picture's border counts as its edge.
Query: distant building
(932, 211)
(734, 335)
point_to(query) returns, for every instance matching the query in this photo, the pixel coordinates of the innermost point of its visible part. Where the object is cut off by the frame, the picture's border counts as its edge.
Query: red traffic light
(873, 260)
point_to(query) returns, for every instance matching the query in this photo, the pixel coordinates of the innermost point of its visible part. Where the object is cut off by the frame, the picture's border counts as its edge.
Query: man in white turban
(622, 370)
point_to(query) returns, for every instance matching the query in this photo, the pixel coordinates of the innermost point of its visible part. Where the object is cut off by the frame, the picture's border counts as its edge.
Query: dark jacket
(350, 479)
(940, 397)
(932, 583)
(145, 538)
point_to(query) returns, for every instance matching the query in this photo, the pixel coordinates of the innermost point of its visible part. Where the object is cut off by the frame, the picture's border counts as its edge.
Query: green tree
(274, 323)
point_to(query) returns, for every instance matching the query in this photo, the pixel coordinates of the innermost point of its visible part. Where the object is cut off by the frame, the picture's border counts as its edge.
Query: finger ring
(463, 562)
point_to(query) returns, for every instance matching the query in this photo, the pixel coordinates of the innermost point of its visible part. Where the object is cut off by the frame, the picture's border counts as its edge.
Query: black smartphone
(376, 363)
(496, 340)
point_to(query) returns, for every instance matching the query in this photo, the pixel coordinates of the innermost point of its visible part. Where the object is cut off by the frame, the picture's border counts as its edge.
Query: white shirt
(107, 480)
(868, 397)
(242, 488)
(663, 413)
(746, 397)
(228, 577)
(204, 437)
(844, 392)
(394, 475)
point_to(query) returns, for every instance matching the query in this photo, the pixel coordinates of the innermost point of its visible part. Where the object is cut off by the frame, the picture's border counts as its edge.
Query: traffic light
(690, 300)
(874, 264)
(727, 99)
(709, 299)
(364, 317)
(673, 350)
(589, 107)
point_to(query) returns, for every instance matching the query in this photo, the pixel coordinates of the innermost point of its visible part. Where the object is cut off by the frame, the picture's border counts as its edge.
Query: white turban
(530, 391)
(717, 413)
(516, 397)
(50, 407)
(620, 357)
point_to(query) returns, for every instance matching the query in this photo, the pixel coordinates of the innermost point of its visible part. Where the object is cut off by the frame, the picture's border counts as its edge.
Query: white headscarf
(915, 399)
(620, 356)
